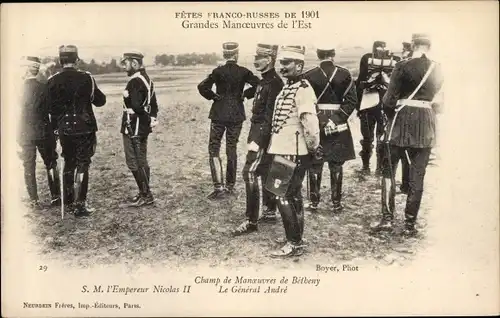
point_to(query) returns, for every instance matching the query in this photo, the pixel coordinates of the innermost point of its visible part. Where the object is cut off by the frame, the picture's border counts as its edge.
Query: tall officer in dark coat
(294, 137)
(336, 94)
(141, 111)
(35, 132)
(258, 160)
(375, 69)
(411, 130)
(227, 114)
(71, 95)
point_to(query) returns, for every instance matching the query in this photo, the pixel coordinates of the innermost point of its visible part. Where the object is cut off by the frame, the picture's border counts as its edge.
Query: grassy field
(184, 227)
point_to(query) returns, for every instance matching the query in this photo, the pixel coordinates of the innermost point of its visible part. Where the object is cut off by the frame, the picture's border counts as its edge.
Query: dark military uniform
(336, 93)
(294, 136)
(374, 73)
(71, 95)
(405, 167)
(411, 130)
(138, 96)
(35, 132)
(258, 160)
(227, 115)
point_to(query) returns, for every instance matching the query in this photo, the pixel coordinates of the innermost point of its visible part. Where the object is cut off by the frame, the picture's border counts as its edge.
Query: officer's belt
(414, 103)
(147, 109)
(328, 106)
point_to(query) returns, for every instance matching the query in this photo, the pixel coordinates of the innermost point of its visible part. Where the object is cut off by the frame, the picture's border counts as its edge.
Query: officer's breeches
(135, 159)
(232, 131)
(47, 150)
(77, 152)
(254, 175)
(291, 207)
(418, 159)
(372, 125)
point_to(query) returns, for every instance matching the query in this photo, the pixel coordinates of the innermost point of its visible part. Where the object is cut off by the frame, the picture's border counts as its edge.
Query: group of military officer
(300, 124)
(61, 109)
(296, 126)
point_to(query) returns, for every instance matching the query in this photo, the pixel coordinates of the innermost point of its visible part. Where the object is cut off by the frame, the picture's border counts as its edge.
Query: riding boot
(54, 185)
(405, 176)
(411, 211)
(269, 205)
(81, 188)
(293, 229)
(253, 198)
(217, 178)
(315, 189)
(69, 190)
(388, 206)
(365, 154)
(336, 176)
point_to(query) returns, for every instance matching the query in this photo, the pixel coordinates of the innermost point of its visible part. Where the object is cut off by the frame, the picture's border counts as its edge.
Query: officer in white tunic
(294, 137)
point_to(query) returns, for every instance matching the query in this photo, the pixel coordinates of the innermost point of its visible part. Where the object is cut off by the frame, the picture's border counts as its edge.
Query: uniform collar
(292, 80)
(417, 54)
(270, 73)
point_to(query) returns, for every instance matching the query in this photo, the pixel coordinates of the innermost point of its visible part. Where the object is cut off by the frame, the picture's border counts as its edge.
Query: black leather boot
(31, 186)
(217, 177)
(54, 185)
(69, 188)
(81, 188)
(411, 211)
(315, 189)
(388, 205)
(293, 229)
(270, 208)
(336, 178)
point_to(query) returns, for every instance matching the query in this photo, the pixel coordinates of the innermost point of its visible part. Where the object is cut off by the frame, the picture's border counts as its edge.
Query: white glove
(130, 111)
(253, 147)
(330, 128)
(154, 122)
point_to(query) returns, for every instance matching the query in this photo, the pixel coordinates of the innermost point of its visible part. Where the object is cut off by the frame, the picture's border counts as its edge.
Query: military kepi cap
(292, 52)
(68, 50)
(230, 47)
(31, 61)
(421, 37)
(266, 50)
(132, 55)
(325, 49)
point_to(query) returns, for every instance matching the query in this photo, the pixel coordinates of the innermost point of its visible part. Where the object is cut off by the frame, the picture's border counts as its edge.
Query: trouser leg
(29, 165)
(232, 137)
(367, 124)
(47, 149)
(419, 159)
(217, 130)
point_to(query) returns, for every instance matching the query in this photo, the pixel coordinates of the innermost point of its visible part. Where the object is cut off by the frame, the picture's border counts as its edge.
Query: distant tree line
(92, 66)
(186, 59)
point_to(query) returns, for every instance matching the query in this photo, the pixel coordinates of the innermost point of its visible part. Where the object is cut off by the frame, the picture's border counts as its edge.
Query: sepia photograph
(227, 159)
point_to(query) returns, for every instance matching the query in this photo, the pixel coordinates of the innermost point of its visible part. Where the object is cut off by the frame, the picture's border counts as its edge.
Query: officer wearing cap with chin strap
(295, 138)
(36, 132)
(227, 115)
(140, 116)
(375, 69)
(71, 95)
(257, 162)
(336, 94)
(411, 130)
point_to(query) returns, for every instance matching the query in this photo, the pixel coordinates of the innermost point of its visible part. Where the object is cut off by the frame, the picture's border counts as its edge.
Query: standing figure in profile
(71, 95)
(336, 101)
(140, 113)
(411, 131)
(294, 142)
(227, 115)
(36, 133)
(375, 69)
(258, 160)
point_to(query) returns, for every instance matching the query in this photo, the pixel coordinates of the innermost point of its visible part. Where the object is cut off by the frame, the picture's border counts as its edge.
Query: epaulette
(53, 75)
(304, 83)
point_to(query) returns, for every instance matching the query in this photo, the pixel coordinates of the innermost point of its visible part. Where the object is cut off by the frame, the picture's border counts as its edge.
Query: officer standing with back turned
(71, 94)
(227, 115)
(336, 100)
(36, 133)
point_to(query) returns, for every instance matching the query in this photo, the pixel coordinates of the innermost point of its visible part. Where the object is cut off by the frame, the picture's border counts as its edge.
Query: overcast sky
(108, 29)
